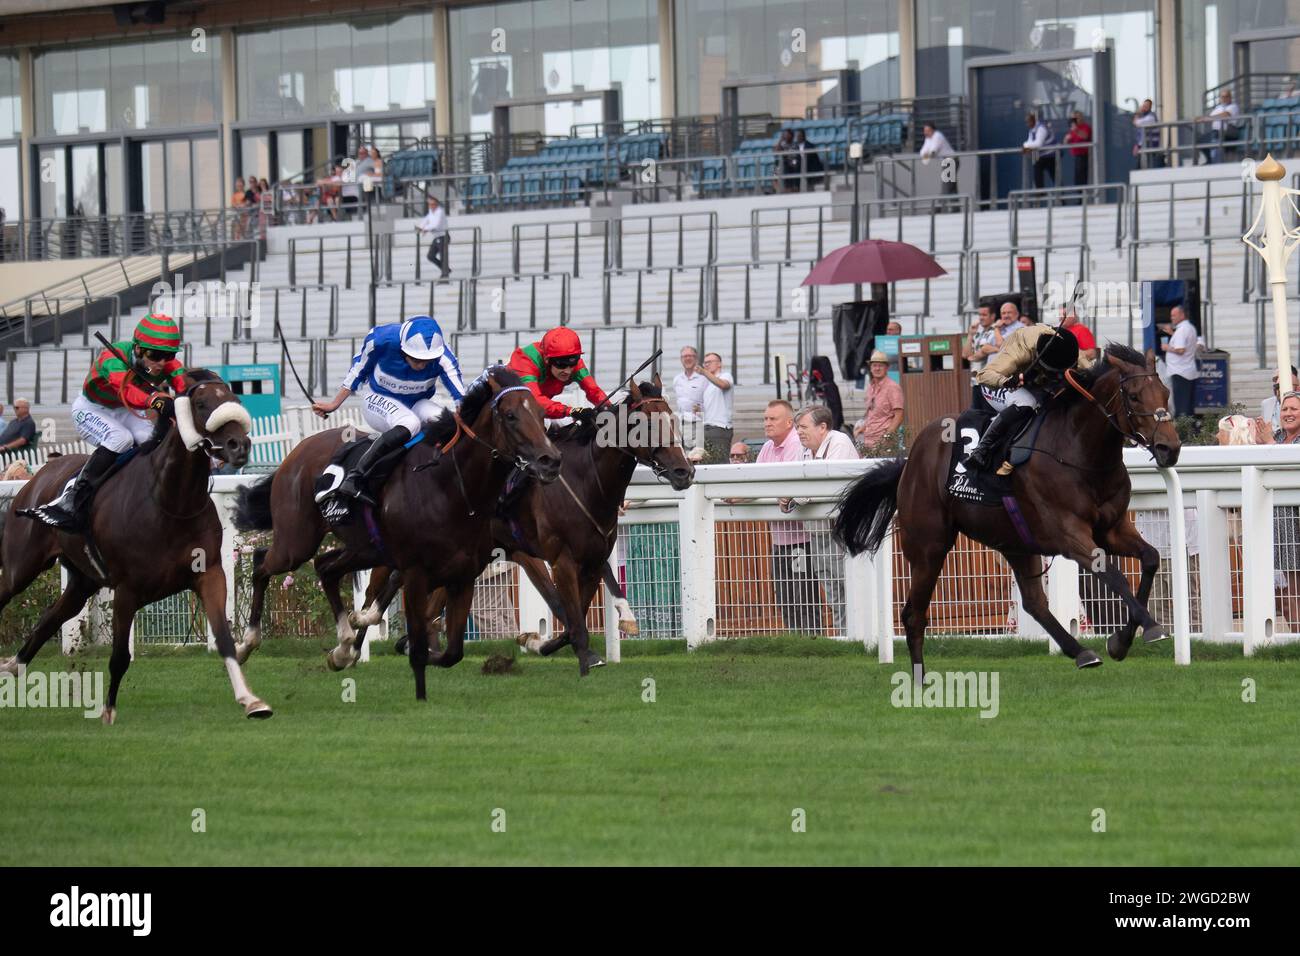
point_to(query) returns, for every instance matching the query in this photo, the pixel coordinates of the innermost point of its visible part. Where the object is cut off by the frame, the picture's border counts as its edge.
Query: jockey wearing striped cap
(549, 365)
(110, 412)
(400, 367)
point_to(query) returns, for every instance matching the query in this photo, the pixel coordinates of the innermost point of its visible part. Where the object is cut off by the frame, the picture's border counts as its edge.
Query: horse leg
(383, 587)
(14, 580)
(415, 595)
(627, 623)
(210, 586)
(581, 592)
(280, 557)
(1081, 548)
(1028, 569)
(80, 589)
(125, 604)
(926, 554)
(459, 601)
(1123, 539)
(330, 569)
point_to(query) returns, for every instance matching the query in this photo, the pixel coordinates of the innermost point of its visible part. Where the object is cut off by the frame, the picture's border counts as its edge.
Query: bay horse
(154, 532)
(572, 524)
(1073, 494)
(432, 523)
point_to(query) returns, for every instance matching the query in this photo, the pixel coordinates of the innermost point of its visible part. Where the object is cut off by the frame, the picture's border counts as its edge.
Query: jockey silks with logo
(548, 366)
(399, 368)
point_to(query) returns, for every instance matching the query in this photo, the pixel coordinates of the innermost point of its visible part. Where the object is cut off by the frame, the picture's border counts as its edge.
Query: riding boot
(71, 510)
(990, 451)
(353, 484)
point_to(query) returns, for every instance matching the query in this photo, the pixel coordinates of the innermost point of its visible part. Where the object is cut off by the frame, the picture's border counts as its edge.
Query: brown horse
(1073, 494)
(433, 523)
(154, 532)
(572, 524)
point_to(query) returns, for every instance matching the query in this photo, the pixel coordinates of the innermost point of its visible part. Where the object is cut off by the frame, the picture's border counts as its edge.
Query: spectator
(811, 161)
(1009, 320)
(1087, 343)
(1269, 408)
(787, 163)
(739, 453)
(434, 224)
(1222, 129)
(1080, 132)
(1180, 361)
(936, 146)
(20, 432)
(884, 403)
(716, 409)
(1288, 433)
(894, 327)
(1237, 430)
(1043, 160)
(17, 471)
(696, 455)
(1147, 137)
(689, 386)
(983, 340)
(238, 200)
(821, 441)
(331, 192)
(790, 572)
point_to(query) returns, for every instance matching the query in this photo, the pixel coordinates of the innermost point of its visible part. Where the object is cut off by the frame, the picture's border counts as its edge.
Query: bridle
(1160, 415)
(658, 468)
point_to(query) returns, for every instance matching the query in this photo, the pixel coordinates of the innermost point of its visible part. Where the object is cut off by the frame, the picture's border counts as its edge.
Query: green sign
(258, 387)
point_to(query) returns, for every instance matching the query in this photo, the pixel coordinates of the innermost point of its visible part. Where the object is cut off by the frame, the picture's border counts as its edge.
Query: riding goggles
(566, 361)
(156, 355)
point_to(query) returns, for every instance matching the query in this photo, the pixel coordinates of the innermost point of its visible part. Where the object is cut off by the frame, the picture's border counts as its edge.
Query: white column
(860, 600)
(882, 574)
(1063, 596)
(906, 49)
(534, 614)
(699, 591)
(1256, 559)
(613, 640)
(1178, 566)
(1216, 578)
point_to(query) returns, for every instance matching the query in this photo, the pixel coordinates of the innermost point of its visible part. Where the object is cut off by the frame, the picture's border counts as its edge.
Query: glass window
(207, 173)
(11, 122)
(152, 182)
(85, 180)
(121, 86)
(1205, 31)
(254, 155)
(113, 179)
(289, 153)
(10, 189)
(53, 178)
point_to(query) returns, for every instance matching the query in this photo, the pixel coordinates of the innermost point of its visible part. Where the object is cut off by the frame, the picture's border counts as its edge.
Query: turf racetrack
(739, 736)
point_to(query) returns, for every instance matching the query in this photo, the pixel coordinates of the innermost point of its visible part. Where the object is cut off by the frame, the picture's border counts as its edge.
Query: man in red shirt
(549, 365)
(1087, 343)
(1080, 132)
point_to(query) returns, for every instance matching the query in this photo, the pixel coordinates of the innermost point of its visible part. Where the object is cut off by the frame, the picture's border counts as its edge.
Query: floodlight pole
(1275, 249)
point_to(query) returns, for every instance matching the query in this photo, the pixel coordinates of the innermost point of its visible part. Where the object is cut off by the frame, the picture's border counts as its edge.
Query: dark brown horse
(573, 523)
(433, 523)
(154, 528)
(1073, 493)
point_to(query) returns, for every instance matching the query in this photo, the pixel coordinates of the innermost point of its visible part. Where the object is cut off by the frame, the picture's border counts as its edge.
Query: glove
(584, 416)
(162, 404)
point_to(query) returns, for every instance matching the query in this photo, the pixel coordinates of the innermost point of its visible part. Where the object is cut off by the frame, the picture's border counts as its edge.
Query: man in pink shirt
(796, 594)
(884, 405)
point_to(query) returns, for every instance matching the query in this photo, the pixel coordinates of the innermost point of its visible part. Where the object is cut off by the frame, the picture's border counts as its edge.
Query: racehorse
(1073, 494)
(573, 523)
(154, 532)
(432, 523)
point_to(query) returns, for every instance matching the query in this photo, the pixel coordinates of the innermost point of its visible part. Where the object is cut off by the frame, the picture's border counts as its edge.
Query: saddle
(338, 510)
(978, 487)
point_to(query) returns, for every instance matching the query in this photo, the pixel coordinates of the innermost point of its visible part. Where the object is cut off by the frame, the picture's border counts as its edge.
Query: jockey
(400, 366)
(549, 365)
(110, 411)
(1016, 380)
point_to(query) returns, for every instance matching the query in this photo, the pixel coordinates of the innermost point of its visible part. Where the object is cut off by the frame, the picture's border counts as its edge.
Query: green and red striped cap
(158, 332)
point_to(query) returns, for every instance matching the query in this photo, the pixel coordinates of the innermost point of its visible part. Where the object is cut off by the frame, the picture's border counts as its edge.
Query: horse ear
(658, 383)
(1151, 360)
(634, 390)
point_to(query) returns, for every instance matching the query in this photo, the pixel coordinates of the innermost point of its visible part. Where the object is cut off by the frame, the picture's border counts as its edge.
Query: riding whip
(284, 348)
(632, 377)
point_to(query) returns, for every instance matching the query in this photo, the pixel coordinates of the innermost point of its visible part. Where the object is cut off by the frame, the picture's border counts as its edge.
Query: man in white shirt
(822, 442)
(1040, 135)
(716, 410)
(936, 146)
(1146, 137)
(1222, 130)
(689, 387)
(1180, 361)
(434, 225)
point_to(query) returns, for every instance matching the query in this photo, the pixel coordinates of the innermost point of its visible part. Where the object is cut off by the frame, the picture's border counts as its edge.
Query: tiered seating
(407, 164)
(1280, 133)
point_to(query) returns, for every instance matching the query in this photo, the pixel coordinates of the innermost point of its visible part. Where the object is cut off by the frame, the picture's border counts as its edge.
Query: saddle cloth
(336, 509)
(978, 487)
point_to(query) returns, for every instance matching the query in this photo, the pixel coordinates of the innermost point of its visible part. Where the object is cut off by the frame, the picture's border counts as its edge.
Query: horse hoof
(401, 646)
(1152, 634)
(11, 665)
(1087, 658)
(257, 709)
(630, 628)
(1117, 647)
(595, 660)
(109, 716)
(242, 653)
(332, 662)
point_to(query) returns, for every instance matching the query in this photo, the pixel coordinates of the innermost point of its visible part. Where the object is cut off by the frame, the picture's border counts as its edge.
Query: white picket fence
(697, 564)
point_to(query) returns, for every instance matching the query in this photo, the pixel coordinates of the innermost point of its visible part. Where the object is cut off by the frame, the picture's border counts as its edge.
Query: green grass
(739, 735)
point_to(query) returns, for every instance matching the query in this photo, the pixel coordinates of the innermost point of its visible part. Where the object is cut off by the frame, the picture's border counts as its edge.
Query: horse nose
(548, 466)
(682, 476)
(1166, 455)
(237, 450)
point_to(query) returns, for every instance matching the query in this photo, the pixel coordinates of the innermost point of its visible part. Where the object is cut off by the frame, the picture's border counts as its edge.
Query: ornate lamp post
(1275, 243)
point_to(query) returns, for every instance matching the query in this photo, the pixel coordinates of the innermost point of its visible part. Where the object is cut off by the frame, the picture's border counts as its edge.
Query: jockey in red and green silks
(551, 364)
(111, 411)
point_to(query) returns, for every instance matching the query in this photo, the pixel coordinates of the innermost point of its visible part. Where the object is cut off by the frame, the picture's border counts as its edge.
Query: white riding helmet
(421, 339)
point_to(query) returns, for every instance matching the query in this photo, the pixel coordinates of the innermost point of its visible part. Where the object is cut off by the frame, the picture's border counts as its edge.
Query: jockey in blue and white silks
(398, 370)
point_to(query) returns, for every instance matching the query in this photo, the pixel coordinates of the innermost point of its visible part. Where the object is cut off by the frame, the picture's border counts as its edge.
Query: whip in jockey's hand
(107, 413)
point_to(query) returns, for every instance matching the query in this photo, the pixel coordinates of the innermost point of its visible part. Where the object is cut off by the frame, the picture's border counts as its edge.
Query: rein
(1160, 414)
(463, 428)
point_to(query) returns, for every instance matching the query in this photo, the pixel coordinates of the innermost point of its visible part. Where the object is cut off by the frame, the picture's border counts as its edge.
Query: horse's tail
(253, 506)
(866, 507)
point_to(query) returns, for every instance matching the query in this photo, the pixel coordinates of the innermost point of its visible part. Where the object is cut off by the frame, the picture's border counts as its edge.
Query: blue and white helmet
(421, 339)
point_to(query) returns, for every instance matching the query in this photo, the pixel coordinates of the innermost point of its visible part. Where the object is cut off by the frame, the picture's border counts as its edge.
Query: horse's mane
(1088, 377)
(197, 375)
(579, 433)
(477, 394)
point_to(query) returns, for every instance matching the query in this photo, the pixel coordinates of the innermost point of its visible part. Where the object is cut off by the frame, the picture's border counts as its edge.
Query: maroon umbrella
(874, 260)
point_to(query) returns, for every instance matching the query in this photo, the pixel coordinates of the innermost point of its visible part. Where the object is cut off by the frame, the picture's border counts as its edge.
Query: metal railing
(71, 364)
(1046, 251)
(889, 171)
(474, 233)
(319, 245)
(116, 236)
(1075, 197)
(702, 274)
(803, 301)
(569, 233)
(1237, 137)
(503, 283)
(433, 285)
(674, 226)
